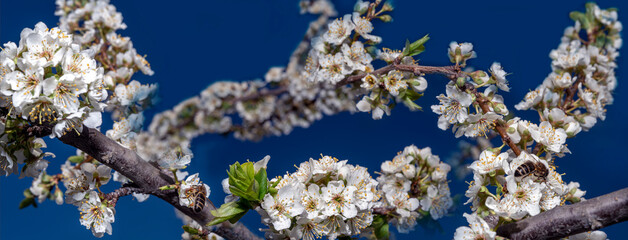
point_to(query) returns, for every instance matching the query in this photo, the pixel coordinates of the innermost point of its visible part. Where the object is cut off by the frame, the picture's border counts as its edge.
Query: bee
(197, 194)
(530, 168)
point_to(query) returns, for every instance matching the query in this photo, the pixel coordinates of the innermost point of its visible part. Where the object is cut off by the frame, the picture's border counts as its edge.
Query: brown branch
(571, 219)
(113, 197)
(448, 71)
(500, 125)
(262, 93)
(452, 72)
(143, 174)
(235, 231)
(571, 91)
(417, 69)
(383, 210)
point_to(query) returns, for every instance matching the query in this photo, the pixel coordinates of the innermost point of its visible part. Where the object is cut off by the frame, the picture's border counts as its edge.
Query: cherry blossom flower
(364, 27)
(283, 206)
(478, 229)
(452, 108)
(499, 75)
(96, 215)
(489, 161)
(188, 188)
(552, 139)
(339, 30)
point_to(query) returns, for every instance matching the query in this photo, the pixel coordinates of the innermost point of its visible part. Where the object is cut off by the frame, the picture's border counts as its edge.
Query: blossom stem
(500, 125)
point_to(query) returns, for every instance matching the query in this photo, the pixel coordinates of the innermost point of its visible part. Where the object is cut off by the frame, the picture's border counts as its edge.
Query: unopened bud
(461, 81)
(387, 6)
(500, 108)
(385, 18)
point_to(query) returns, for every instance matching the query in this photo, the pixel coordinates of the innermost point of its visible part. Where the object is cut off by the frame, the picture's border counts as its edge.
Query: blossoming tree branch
(58, 81)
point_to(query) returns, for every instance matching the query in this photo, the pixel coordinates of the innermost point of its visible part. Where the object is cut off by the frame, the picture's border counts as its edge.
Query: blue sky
(192, 44)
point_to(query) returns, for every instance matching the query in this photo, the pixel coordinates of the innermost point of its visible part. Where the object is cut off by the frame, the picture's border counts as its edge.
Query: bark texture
(146, 176)
(571, 219)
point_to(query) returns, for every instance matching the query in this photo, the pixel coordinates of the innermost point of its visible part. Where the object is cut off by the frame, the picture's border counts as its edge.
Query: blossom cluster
(574, 95)
(413, 186)
(324, 197)
(335, 55)
(48, 79)
(63, 78)
(387, 89)
(510, 186)
(15, 151)
(338, 54)
(82, 178)
(460, 107)
(285, 99)
(95, 24)
(252, 109)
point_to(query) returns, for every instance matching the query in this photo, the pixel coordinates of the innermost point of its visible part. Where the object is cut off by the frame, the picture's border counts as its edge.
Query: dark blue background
(191, 44)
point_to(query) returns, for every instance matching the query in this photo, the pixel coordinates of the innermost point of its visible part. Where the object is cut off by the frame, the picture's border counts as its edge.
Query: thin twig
(113, 197)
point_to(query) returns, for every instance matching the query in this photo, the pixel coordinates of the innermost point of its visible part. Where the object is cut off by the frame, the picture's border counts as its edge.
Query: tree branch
(113, 197)
(571, 219)
(146, 176)
(500, 125)
(417, 69)
(448, 71)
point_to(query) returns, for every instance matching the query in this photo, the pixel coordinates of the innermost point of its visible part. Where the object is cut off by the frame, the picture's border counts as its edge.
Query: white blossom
(532, 98)
(478, 229)
(520, 201)
(562, 81)
(96, 215)
(500, 76)
(338, 30)
(188, 188)
(356, 57)
(452, 108)
(489, 161)
(283, 206)
(333, 68)
(394, 82)
(552, 139)
(364, 27)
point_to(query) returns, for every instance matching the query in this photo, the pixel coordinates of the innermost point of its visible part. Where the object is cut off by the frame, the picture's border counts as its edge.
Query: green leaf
(190, 230)
(237, 217)
(406, 48)
(262, 180)
(28, 194)
(228, 211)
(416, 47)
(27, 202)
(412, 105)
(418, 43)
(409, 96)
(412, 95)
(167, 187)
(48, 74)
(244, 182)
(380, 227)
(576, 16)
(583, 18)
